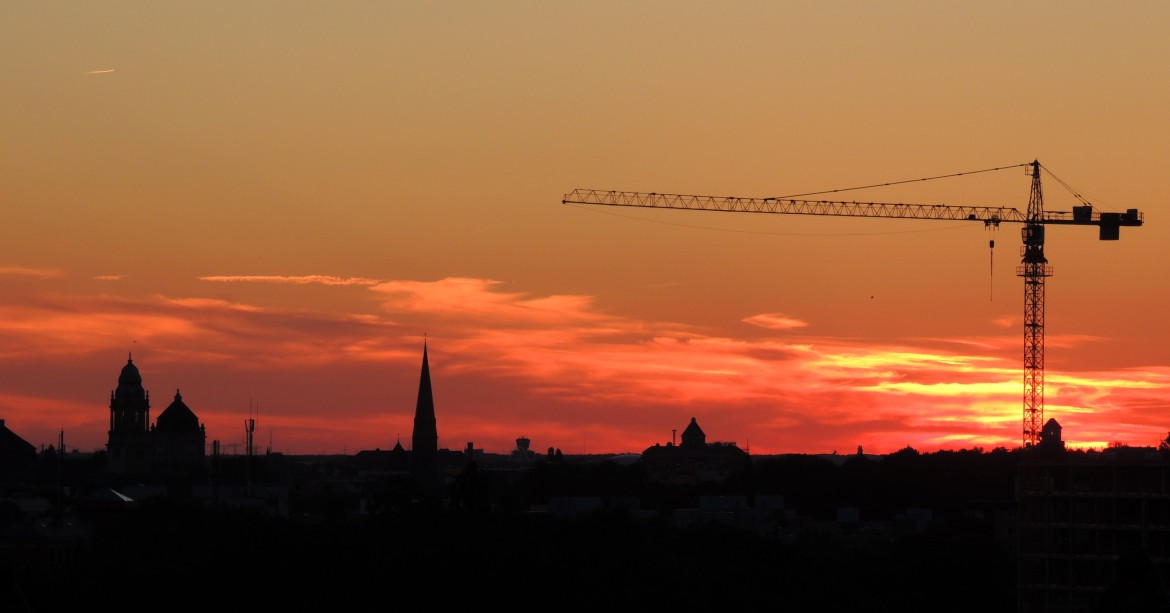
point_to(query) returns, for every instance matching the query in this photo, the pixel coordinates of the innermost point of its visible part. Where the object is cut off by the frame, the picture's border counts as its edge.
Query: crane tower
(1034, 267)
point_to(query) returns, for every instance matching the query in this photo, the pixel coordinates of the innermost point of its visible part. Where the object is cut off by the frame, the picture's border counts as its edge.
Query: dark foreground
(480, 546)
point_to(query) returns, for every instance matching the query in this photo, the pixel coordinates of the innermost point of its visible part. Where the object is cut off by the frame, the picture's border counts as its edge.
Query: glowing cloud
(106, 71)
(553, 367)
(109, 277)
(476, 298)
(210, 303)
(774, 321)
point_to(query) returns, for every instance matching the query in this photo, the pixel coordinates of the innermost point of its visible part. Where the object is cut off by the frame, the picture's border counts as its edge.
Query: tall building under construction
(1092, 528)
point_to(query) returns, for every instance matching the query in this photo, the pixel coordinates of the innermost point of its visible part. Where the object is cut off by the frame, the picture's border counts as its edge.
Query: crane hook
(991, 275)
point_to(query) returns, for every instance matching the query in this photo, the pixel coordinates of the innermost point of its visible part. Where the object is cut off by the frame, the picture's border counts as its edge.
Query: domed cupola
(129, 383)
(177, 417)
(130, 374)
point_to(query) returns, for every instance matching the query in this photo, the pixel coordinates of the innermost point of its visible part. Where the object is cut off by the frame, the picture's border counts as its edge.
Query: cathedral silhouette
(174, 447)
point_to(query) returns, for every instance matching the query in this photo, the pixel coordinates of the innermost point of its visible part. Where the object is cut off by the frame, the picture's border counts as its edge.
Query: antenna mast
(249, 430)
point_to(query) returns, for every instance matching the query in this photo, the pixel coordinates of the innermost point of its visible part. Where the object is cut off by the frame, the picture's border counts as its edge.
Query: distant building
(175, 447)
(178, 441)
(425, 463)
(424, 452)
(694, 460)
(1092, 528)
(18, 457)
(1051, 439)
(522, 453)
(393, 462)
(128, 447)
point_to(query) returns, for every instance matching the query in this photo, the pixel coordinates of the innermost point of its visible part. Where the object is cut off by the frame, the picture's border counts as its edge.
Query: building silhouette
(17, 456)
(178, 442)
(174, 447)
(425, 464)
(694, 460)
(1051, 438)
(522, 452)
(128, 447)
(424, 452)
(1093, 528)
(1079, 531)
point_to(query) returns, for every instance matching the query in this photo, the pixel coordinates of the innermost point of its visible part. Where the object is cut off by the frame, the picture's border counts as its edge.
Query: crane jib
(1081, 215)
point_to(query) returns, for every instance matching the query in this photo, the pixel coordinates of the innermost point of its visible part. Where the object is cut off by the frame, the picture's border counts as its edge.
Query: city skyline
(272, 207)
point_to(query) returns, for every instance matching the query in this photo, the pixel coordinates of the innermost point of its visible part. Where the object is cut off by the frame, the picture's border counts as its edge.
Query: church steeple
(129, 432)
(129, 403)
(425, 439)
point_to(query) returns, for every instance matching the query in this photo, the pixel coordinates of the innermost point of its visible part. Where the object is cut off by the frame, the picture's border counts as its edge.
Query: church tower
(128, 449)
(424, 453)
(693, 437)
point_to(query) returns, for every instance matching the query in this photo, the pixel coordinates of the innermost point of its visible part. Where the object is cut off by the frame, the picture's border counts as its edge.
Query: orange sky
(270, 204)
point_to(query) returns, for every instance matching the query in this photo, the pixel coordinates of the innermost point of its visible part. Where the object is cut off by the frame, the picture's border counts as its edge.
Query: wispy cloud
(210, 303)
(22, 271)
(297, 280)
(481, 300)
(109, 277)
(104, 71)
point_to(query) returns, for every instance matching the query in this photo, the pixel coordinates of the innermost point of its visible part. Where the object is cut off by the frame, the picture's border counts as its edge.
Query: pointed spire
(425, 404)
(425, 438)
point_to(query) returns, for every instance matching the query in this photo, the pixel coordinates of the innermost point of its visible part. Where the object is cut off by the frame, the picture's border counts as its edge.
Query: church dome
(130, 388)
(177, 417)
(130, 375)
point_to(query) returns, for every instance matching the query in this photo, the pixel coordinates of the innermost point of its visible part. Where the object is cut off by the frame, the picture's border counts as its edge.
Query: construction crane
(1034, 267)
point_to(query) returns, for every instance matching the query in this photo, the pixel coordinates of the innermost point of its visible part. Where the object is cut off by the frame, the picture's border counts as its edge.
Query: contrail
(100, 71)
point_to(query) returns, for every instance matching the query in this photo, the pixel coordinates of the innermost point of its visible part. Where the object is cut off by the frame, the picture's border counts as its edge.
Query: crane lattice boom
(1081, 215)
(1033, 268)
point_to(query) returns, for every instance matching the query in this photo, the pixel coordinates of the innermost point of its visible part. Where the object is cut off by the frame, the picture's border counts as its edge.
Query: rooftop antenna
(215, 470)
(249, 430)
(60, 479)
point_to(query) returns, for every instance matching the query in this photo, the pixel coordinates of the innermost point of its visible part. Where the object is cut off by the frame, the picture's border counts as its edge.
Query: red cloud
(555, 368)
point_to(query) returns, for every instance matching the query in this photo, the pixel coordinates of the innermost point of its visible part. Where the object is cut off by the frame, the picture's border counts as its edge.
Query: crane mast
(1034, 267)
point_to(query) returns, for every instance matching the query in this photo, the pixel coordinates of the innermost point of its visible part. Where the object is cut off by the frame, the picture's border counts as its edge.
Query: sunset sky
(272, 205)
